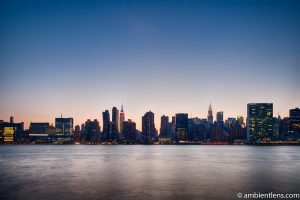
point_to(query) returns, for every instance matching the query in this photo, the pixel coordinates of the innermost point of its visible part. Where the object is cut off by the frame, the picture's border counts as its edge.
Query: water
(146, 172)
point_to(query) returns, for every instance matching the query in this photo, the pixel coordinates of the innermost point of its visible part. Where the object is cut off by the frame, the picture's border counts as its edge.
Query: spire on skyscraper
(210, 118)
(122, 117)
(122, 110)
(210, 109)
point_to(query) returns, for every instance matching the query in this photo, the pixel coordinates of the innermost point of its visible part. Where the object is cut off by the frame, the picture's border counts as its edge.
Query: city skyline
(157, 118)
(259, 127)
(78, 59)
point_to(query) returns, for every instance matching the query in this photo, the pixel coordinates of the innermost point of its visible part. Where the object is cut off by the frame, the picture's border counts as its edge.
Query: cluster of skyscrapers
(260, 126)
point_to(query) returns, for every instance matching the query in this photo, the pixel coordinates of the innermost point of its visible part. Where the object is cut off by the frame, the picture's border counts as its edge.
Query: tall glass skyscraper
(106, 126)
(259, 121)
(220, 117)
(64, 126)
(295, 122)
(164, 123)
(181, 126)
(148, 126)
(115, 123)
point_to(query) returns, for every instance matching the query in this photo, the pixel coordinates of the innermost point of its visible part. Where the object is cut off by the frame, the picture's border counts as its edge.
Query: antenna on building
(122, 107)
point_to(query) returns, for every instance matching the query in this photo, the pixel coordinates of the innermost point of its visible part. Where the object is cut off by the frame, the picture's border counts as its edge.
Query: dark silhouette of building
(164, 126)
(259, 121)
(11, 120)
(39, 128)
(129, 132)
(276, 128)
(220, 119)
(91, 131)
(166, 129)
(236, 132)
(197, 129)
(182, 126)
(284, 129)
(106, 126)
(77, 128)
(231, 121)
(294, 122)
(115, 124)
(173, 128)
(148, 128)
(218, 133)
(39, 132)
(77, 134)
(240, 120)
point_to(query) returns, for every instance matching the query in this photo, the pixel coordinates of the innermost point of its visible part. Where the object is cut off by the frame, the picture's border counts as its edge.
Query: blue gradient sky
(82, 57)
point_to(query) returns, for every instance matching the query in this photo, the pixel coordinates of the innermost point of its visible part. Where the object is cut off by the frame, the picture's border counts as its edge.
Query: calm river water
(146, 172)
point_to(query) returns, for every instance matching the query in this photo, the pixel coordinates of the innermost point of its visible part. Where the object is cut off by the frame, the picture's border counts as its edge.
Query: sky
(78, 58)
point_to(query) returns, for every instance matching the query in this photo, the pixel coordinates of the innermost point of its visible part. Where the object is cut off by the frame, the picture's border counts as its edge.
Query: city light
(260, 127)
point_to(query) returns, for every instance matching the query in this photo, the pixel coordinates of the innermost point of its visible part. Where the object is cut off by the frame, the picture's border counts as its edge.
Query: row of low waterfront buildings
(260, 126)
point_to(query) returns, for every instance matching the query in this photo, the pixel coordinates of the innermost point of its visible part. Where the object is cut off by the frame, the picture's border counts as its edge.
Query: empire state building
(122, 118)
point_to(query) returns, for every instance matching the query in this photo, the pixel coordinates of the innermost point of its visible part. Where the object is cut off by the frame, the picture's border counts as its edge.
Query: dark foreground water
(146, 172)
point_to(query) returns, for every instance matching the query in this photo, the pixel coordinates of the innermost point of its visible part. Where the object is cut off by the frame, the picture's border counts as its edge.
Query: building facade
(114, 125)
(220, 118)
(294, 121)
(259, 121)
(64, 126)
(210, 117)
(122, 118)
(106, 126)
(181, 126)
(129, 132)
(11, 132)
(148, 127)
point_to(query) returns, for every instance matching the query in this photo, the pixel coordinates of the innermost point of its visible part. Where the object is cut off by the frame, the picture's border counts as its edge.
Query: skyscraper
(295, 122)
(64, 126)
(181, 126)
(11, 119)
(148, 127)
(259, 121)
(240, 119)
(78, 134)
(91, 132)
(195, 129)
(129, 132)
(210, 117)
(276, 127)
(231, 121)
(122, 118)
(106, 126)
(164, 124)
(77, 128)
(115, 122)
(63, 130)
(220, 119)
